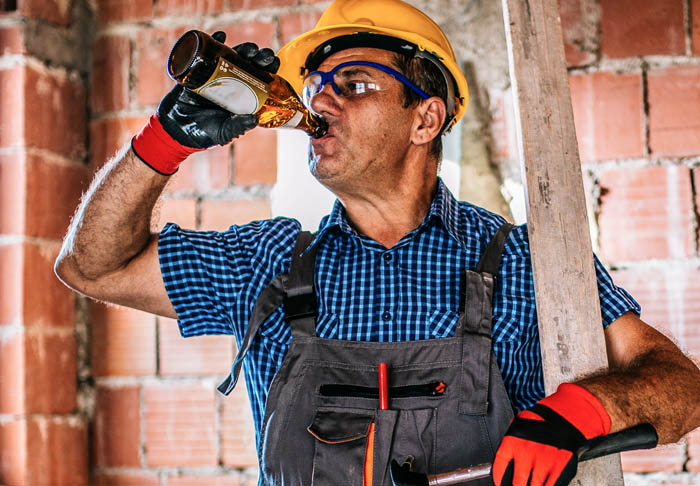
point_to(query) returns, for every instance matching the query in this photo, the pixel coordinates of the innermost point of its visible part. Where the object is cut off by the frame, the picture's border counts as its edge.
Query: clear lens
(349, 81)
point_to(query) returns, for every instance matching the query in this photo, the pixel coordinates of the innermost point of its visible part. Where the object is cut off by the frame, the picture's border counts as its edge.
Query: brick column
(43, 434)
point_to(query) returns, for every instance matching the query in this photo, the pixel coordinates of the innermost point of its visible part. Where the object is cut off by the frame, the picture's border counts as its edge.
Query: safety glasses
(353, 78)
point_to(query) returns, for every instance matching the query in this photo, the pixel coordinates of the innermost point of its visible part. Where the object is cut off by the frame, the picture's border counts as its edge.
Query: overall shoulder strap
(299, 295)
(269, 299)
(491, 258)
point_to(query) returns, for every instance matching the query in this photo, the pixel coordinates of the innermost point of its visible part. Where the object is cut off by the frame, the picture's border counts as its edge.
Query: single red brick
(201, 355)
(255, 158)
(293, 25)
(203, 171)
(50, 367)
(234, 479)
(255, 4)
(12, 40)
(666, 458)
(674, 103)
(58, 451)
(180, 425)
(576, 32)
(13, 192)
(238, 447)
(12, 107)
(183, 212)
(152, 80)
(668, 297)
(110, 73)
(13, 444)
(123, 341)
(11, 373)
(641, 27)
(54, 11)
(52, 183)
(109, 11)
(11, 269)
(220, 214)
(608, 112)
(108, 135)
(116, 429)
(646, 213)
(188, 7)
(56, 101)
(123, 479)
(693, 464)
(261, 33)
(46, 301)
(695, 21)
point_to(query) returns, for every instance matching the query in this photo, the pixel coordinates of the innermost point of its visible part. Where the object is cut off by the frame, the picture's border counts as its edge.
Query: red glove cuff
(581, 408)
(158, 150)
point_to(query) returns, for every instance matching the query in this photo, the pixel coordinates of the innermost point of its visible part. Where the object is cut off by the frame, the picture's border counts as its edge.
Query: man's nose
(325, 101)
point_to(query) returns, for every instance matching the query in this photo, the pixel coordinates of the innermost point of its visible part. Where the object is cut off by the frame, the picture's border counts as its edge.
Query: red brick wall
(636, 95)
(116, 397)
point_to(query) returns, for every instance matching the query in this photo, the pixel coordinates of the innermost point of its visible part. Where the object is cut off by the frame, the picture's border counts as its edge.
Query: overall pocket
(341, 442)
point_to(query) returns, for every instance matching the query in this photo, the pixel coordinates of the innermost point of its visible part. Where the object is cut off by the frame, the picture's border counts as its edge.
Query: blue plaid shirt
(366, 292)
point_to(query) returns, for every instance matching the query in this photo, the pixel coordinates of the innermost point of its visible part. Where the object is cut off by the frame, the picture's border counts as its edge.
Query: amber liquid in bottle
(216, 72)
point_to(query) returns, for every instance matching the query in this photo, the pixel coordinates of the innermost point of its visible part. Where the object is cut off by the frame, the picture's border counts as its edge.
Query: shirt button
(388, 257)
(386, 315)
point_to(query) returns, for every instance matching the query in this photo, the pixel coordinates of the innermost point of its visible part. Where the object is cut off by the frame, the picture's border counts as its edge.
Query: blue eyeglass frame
(327, 76)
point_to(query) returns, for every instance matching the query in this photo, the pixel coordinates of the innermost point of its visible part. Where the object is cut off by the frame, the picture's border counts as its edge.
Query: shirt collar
(444, 208)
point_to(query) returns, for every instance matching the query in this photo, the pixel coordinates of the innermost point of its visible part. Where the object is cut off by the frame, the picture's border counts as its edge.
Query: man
(399, 273)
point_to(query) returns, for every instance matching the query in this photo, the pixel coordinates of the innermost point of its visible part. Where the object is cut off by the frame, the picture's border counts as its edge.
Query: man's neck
(388, 217)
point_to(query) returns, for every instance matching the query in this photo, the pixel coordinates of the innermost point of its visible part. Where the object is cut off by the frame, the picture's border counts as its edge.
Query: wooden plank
(568, 307)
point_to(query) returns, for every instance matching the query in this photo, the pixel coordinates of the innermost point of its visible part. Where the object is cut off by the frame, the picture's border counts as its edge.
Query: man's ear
(430, 117)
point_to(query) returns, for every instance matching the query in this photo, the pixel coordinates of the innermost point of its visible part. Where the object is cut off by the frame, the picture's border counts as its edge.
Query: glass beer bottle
(215, 71)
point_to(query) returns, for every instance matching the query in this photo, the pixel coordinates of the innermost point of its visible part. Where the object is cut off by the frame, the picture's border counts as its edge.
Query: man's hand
(196, 122)
(541, 445)
(186, 122)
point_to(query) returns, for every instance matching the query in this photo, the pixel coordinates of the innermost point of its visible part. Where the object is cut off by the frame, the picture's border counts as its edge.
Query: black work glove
(196, 122)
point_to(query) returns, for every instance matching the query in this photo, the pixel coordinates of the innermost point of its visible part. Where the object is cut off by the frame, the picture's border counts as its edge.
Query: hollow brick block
(254, 4)
(50, 372)
(57, 451)
(12, 107)
(261, 33)
(233, 479)
(11, 264)
(255, 158)
(113, 11)
(53, 192)
(608, 114)
(180, 425)
(123, 479)
(237, 430)
(108, 135)
(201, 355)
(55, 101)
(110, 73)
(646, 213)
(13, 191)
(293, 25)
(182, 212)
(153, 47)
(53, 11)
(674, 104)
(12, 40)
(116, 429)
(575, 31)
(668, 297)
(188, 8)
(123, 341)
(203, 172)
(695, 23)
(632, 28)
(11, 374)
(13, 440)
(666, 458)
(220, 214)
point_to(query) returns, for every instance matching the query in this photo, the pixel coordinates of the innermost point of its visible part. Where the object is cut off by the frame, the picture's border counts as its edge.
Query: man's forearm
(112, 223)
(661, 387)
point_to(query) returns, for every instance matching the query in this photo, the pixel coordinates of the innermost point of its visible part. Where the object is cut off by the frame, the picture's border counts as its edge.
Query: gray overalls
(448, 406)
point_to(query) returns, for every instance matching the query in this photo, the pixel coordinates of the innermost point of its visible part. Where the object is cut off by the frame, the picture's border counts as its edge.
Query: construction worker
(399, 273)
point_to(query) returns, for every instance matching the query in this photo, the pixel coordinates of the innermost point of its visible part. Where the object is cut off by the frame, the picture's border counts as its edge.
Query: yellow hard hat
(387, 24)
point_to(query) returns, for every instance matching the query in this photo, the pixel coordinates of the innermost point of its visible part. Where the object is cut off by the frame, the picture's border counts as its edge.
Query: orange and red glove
(540, 448)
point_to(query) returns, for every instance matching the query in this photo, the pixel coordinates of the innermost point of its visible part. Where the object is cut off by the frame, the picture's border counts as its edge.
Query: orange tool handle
(383, 388)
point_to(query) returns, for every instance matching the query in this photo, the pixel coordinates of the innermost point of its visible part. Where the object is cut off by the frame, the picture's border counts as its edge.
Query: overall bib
(448, 407)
